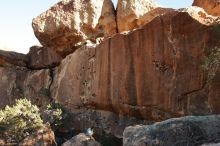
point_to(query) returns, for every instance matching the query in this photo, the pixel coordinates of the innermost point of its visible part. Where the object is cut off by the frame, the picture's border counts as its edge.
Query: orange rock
(130, 11)
(69, 22)
(152, 73)
(212, 7)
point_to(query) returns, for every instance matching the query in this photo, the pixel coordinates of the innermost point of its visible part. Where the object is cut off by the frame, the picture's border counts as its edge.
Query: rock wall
(152, 73)
(20, 83)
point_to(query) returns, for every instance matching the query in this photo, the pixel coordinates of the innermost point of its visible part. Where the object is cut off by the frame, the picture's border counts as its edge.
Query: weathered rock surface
(200, 15)
(41, 57)
(152, 73)
(43, 137)
(8, 59)
(81, 140)
(19, 83)
(217, 144)
(72, 21)
(129, 12)
(184, 131)
(210, 6)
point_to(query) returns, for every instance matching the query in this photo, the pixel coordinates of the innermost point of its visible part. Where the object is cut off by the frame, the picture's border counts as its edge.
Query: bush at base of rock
(19, 121)
(55, 114)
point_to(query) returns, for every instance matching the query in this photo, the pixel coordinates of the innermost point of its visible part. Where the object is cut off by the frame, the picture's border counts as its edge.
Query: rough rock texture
(200, 15)
(19, 83)
(81, 140)
(190, 131)
(152, 73)
(43, 137)
(210, 6)
(36, 87)
(73, 21)
(41, 57)
(212, 144)
(8, 58)
(129, 11)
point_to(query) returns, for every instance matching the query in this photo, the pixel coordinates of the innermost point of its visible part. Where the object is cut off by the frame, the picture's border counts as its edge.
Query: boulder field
(138, 64)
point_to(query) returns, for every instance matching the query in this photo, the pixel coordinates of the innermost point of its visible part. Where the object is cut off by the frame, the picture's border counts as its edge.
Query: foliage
(20, 120)
(45, 92)
(212, 63)
(56, 115)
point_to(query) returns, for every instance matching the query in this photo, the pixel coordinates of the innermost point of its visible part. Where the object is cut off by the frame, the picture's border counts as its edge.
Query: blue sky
(16, 16)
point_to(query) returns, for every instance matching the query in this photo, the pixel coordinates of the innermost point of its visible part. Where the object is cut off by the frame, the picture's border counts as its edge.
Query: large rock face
(129, 11)
(73, 21)
(210, 6)
(152, 73)
(189, 131)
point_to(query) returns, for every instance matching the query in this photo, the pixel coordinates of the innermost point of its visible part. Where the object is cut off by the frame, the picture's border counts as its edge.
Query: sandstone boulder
(8, 59)
(129, 12)
(72, 21)
(184, 131)
(152, 73)
(212, 7)
(81, 140)
(41, 57)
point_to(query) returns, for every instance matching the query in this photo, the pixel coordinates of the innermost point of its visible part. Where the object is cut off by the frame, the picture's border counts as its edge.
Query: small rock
(81, 140)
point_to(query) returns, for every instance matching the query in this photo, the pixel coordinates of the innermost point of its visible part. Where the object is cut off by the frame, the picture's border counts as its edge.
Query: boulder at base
(81, 140)
(186, 131)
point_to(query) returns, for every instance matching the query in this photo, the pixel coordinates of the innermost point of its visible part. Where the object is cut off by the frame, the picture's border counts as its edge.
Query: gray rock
(186, 131)
(81, 140)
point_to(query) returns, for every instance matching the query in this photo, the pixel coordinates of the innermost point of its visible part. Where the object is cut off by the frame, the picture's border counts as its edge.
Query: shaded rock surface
(210, 6)
(212, 144)
(184, 131)
(104, 122)
(20, 82)
(72, 21)
(152, 73)
(41, 57)
(81, 140)
(129, 12)
(8, 59)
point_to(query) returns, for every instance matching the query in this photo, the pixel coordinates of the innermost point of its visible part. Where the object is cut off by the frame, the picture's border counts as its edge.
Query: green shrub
(212, 63)
(19, 121)
(55, 115)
